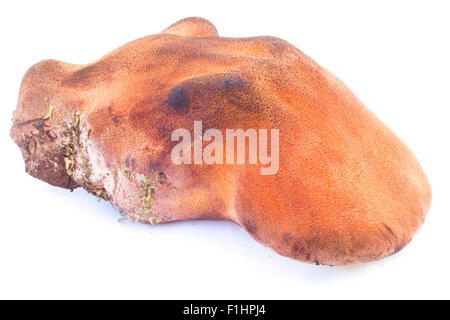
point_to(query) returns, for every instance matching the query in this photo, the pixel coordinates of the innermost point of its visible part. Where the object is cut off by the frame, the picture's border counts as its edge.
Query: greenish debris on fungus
(50, 113)
(75, 157)
(127, 174)
(141, 201)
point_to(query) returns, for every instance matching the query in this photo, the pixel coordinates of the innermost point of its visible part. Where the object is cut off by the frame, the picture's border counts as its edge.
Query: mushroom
(346, 189)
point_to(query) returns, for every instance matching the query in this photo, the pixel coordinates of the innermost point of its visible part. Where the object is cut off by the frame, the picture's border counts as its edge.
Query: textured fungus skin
(347, 190)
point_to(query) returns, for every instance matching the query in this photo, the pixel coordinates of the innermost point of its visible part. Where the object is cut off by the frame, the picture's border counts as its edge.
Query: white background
(395, 55)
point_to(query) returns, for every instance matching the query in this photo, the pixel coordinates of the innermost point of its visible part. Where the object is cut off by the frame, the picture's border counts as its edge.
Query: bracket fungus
(347, 190)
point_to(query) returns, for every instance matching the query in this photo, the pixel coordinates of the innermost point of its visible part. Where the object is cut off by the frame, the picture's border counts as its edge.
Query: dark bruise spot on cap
(177, 98)
(233, 83)
(155, 165)
(300, 249)
(162, 178)
(116, 119)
